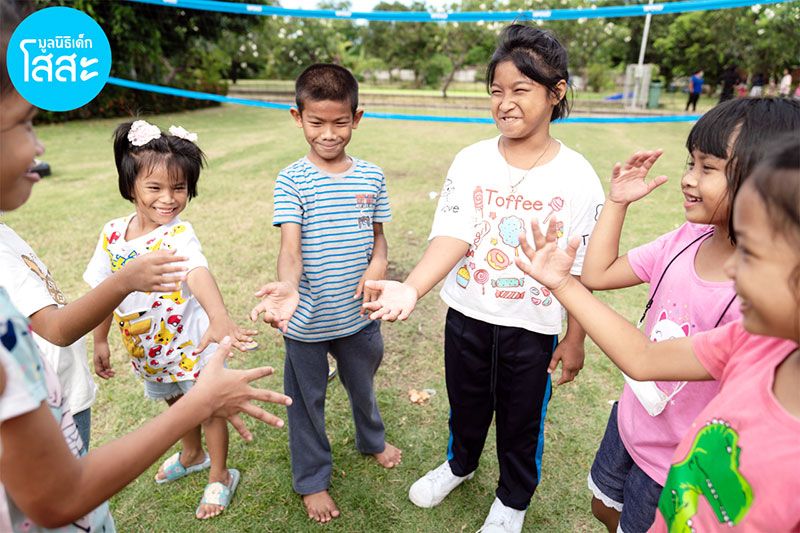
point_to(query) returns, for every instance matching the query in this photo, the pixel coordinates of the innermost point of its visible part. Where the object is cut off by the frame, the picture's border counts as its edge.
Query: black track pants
(498, 370)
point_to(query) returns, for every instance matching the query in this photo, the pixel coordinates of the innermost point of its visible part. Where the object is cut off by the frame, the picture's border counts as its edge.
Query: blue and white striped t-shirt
(336, 213)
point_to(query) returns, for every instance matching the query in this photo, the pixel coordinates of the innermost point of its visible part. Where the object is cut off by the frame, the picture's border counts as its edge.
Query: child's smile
(761, 269)
(705, 189)
(158, 198)
(328, 126)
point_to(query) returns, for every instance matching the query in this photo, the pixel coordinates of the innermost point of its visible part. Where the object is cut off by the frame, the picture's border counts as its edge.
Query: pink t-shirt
(684, 305)
(738, 468)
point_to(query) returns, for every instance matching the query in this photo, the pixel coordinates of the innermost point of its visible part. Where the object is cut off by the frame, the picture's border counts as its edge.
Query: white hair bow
(142, 132)
(181, 132)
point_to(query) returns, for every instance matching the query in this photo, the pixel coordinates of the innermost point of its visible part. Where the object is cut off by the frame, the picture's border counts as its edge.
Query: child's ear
(357, 117)
(559, 93)
(297, 116)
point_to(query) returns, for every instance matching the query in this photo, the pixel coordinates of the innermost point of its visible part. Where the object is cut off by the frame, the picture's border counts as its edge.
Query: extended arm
(279, 299)
(376, 269)
(397, 300)
(157, 271)
(204, 288)
(66, 487)
(626, 346)
(603, 267)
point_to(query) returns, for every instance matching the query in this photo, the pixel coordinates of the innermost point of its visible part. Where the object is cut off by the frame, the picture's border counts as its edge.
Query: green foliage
(757, 39)
(199, 50)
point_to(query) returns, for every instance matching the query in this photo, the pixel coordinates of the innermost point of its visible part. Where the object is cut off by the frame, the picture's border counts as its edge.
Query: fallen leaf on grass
(420, 397)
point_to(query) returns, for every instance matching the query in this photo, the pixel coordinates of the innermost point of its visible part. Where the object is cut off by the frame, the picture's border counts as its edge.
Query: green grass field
(232, 216)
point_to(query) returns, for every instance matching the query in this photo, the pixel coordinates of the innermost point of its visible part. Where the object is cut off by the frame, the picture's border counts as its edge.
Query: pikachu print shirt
(160, 331)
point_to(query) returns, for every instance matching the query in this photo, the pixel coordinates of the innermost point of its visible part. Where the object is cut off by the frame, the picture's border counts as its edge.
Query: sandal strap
(216, 493)
(173, 467)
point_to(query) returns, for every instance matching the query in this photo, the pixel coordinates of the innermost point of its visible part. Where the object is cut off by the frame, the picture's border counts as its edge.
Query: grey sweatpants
(306, 380)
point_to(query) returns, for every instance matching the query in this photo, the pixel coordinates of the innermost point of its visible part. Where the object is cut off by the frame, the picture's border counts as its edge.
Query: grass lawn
(232, 216)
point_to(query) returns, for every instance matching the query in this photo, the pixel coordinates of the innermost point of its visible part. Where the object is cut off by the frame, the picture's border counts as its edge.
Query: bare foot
(187, 459)
(390, 457)
(320, 506)
(210, 510)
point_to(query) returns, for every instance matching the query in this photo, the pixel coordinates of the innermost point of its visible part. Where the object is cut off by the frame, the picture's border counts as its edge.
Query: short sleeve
(26, 278)
(188, 245)
(643, 259)
(288, 201)
(586, 207)
(383, 212)
(455, 212)
(99, 267)
(714, 347)
(17, 398)
(26, 387)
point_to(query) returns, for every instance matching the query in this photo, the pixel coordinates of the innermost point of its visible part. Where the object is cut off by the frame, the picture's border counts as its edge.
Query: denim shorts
(166, 391)
(617, 481)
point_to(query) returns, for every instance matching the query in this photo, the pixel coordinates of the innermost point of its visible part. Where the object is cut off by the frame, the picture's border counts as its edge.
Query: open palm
(395, 300)
(278, 304)
(628, 181)
(549, 264)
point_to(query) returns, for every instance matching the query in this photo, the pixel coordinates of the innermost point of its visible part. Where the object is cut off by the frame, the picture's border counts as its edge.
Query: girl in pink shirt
(737, 466)
(689, 293)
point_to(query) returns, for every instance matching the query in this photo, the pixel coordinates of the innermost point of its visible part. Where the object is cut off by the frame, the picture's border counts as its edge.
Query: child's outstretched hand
(628, 182)
(395, 300)
(279, 302)
(549, 264)
(228, 392)
(376, 270)
(102, 360)
(159, 271)
(223, 326)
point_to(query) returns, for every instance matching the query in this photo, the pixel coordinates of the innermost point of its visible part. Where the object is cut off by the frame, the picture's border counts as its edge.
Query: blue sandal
(219, 493)
(174, 470)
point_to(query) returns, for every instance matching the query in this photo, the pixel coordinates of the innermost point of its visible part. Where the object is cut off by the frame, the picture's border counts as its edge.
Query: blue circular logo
(59, 59)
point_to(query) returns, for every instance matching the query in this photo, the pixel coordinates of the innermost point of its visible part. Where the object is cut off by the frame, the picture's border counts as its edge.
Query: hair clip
(142, 132)
(181, 132)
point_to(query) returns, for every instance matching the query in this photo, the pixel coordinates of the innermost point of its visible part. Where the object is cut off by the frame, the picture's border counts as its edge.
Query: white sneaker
(503, 519)
(429, 490)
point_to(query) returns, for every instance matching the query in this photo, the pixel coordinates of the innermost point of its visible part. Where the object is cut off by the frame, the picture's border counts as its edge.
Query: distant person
(695, 89)
(729, 79)
(785, 88)
(757, 88)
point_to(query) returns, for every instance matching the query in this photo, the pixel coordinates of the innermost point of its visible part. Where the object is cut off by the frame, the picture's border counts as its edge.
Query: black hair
(740, 131)
(325, 81)
(12, 12)
(183, 159)
(776, 180)
(538, 55)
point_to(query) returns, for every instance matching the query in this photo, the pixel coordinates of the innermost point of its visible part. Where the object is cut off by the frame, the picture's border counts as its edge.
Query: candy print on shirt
(478, 206)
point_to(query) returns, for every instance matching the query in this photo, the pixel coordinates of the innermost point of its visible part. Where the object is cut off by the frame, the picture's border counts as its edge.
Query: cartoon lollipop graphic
(510, 228)
(481, 277)
(477, 199)
(556, 204)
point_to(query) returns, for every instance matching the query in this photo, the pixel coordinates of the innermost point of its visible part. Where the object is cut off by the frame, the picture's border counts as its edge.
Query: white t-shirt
(159, 330)
(477, 205)
(31, 287)
(29, 382)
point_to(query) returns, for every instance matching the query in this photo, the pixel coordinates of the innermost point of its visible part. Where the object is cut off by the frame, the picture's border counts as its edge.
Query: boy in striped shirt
(330, 208)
